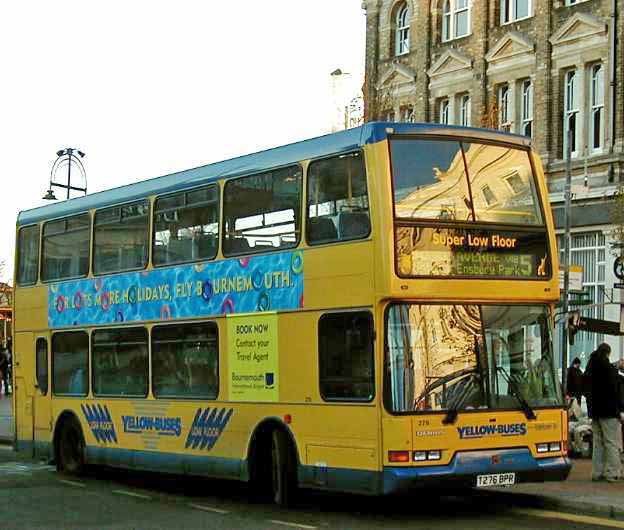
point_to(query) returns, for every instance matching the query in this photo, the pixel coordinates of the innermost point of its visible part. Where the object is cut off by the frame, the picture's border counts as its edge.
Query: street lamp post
(68, 156)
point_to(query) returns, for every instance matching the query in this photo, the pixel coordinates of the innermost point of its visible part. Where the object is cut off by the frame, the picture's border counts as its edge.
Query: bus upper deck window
(28, 255)
(121, 238)
(186, 226)
(66, 248)
(337, 200)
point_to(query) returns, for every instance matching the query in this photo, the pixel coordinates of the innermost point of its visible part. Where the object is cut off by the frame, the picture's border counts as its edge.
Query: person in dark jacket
(574, 380)
(601, 387)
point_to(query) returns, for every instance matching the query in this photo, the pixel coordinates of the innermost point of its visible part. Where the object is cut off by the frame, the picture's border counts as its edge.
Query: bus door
(23, 367)
(41, 395)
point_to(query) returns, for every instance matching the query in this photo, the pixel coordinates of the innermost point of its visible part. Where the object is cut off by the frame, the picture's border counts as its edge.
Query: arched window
(402, 30)
(455, 19)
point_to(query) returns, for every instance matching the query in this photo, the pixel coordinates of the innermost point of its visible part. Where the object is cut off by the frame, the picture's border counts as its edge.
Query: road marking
(207, 508)
(294, 525)
(72, 483)
(547, 514)
(133, 494)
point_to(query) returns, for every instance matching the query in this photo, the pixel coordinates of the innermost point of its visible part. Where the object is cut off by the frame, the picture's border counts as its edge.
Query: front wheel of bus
(71, 448)
(284, 474)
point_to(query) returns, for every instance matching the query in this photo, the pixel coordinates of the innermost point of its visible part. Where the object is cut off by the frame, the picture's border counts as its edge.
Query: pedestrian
(4, 371)
(603, 406)
(574, 380)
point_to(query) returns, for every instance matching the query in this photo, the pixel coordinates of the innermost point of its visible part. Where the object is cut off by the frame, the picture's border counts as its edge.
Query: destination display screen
(471, 252)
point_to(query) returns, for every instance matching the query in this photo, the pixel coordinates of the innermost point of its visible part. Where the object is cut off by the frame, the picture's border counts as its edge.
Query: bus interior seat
(353, 224)
(236, 245)
(322, 229)
(263, 244)
(206, 245)
(180, 250)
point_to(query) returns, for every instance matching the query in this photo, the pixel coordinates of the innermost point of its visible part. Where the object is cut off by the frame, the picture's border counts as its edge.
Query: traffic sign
(618, 285)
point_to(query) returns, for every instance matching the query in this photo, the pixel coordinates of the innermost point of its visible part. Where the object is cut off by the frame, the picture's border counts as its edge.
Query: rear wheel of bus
(283, 469)
(70, 448)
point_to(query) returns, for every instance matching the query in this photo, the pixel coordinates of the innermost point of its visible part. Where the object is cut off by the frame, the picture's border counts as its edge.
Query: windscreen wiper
(442, 381)
(453, 412)
(524, 404)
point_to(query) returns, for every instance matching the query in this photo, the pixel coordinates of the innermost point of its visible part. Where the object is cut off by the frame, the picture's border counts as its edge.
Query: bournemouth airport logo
(100, 422)
(207, 427)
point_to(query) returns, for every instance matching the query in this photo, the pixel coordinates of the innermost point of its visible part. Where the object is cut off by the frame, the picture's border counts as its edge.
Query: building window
(512, 10)
(527, 108)
(402, 37)
(407, 114)
(589, 250)
(571, 118)
(346, 358)
(488, 195)
(596, 114)
(455, 19)
(444, 111)
(504, 108)
(464, 110)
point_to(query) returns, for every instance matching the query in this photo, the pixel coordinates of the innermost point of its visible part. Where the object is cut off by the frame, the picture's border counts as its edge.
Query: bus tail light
(398, 456)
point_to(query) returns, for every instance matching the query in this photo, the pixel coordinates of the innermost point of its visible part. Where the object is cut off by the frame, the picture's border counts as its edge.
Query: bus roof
(339, 142)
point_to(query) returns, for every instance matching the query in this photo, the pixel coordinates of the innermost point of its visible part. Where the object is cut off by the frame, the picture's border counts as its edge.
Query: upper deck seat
(352, 225)
(322, 229)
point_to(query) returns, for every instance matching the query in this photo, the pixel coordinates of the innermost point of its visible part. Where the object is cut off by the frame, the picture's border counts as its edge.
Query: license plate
(500, 479)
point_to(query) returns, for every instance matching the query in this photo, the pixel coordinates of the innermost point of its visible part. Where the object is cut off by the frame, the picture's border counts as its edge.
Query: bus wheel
(283, 470)
(71, 447)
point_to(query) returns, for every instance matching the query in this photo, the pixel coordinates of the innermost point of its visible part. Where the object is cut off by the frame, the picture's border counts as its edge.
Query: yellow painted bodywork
(356, 436)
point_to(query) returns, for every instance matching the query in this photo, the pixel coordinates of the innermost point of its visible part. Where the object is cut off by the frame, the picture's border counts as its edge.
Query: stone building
(539, 68)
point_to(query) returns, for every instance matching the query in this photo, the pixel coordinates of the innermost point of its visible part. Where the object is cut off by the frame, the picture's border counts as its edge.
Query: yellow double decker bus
(369, 311)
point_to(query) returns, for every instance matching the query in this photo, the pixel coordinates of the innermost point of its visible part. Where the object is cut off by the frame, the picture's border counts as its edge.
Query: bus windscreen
(469, 357)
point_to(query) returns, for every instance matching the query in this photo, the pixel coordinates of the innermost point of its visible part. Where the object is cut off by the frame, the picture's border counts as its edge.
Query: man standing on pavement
(603, 407)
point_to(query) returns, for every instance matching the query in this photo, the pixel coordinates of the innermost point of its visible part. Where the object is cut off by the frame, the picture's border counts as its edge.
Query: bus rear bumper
(462, 471)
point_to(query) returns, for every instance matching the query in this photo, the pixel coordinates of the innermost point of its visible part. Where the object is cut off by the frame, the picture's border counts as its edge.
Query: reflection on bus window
(121, 238)
(120, 362)
(346, 356)
(261, 212)
(452, 181)
(28, 255)
(439, 359)
(65, 245)
(505, 176)
(429, 179)
(186, 226)
(185, 361)
(70, 365)
(337, 200)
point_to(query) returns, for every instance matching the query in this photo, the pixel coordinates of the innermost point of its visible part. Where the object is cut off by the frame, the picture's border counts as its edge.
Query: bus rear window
(460, 181)
(28, 255)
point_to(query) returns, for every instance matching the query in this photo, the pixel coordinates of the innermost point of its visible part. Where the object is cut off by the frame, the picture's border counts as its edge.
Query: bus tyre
(71, 448)
(283, 470)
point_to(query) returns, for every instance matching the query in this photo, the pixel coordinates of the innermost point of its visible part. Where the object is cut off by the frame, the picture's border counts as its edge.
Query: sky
(147, 88)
